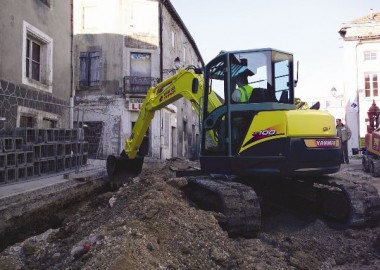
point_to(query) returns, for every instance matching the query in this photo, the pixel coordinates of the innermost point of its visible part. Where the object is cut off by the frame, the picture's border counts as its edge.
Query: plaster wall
(54, 22)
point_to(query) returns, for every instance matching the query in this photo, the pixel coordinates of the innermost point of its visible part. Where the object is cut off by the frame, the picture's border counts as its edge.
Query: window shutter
(83, 73)
(94, 72)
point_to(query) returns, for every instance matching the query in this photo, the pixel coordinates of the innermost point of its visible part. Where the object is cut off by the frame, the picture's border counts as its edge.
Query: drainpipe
(160, 9)
(71, 112)
(357, 88)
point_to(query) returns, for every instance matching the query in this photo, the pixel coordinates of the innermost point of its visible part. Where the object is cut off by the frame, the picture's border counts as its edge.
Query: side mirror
(194, 86)
(296, 78)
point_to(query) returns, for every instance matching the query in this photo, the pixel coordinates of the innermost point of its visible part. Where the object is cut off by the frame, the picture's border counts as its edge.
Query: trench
(48, 216)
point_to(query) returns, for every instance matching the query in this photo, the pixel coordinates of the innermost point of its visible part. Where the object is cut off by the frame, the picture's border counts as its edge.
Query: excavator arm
(185, 83)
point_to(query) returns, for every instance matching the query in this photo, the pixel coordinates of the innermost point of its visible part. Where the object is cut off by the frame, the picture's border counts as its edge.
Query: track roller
(237, 205)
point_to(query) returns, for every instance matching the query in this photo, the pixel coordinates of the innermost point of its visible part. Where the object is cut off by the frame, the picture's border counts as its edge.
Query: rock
(177, 182)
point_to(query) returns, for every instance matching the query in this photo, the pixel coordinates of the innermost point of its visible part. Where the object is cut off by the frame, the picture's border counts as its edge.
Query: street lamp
(334, 93)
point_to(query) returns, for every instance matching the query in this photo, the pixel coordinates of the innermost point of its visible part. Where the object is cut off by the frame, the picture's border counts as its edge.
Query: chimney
(371, 16)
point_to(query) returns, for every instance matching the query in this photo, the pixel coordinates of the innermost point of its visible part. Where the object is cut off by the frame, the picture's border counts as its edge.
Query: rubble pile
(150, 224)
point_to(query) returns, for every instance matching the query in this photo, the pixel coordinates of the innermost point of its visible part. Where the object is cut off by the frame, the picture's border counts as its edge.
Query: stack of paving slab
(29, 153)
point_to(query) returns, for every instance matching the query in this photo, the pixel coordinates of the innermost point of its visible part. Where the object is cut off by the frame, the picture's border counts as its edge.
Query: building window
(49, 123)
(27, 121)
(33, 59)
(371, 84)
(89, 73)
(37, 65)
(370, 55)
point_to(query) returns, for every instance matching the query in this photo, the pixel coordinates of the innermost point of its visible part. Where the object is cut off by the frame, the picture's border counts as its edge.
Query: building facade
(361, 72)
(35, 64)
(121, 48)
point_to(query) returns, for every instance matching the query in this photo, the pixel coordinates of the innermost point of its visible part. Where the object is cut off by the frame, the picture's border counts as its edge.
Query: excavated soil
(149, 224)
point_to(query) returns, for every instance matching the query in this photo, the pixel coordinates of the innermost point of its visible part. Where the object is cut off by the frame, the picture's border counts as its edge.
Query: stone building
(121, 48)
(361, 39)
(35, 64)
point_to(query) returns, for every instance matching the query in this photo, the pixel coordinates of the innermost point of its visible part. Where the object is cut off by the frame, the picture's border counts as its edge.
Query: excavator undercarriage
(343, 203)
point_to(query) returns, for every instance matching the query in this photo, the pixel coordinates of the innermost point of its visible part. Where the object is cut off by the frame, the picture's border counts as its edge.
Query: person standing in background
(344, 133)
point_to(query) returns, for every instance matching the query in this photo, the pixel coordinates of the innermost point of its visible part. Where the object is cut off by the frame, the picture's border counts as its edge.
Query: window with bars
(89, 74)
(371, 84)
(370, 55)
(27, 121)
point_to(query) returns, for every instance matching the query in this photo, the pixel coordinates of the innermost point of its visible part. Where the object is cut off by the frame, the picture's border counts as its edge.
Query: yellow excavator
(255, 143)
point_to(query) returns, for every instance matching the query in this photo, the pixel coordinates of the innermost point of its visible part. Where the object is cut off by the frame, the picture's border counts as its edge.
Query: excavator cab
(257, 128)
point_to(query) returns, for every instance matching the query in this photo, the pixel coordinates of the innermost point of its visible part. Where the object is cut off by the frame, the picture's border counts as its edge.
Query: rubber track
(365, 202)
(240, 205)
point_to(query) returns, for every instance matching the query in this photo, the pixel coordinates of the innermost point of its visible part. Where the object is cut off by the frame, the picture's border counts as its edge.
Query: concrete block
(48, 150)
(29, 157)
(29, 171)
(11, 159)
(67, 162)
(37, 152)
(60, 149)
(74, 160)
(60, 164)
(27, 134)
(74, 148)
(11, 174)
(50, 135)
(3, 176)
(19, 142)
(8, 144)
(68, 135)
(61, 135)
(67, 148)
(41, 135)
(84, 159)
(21, 173)
(3, 160)
(37, 168)
(44, 166)
(20, 158)
(52, 165)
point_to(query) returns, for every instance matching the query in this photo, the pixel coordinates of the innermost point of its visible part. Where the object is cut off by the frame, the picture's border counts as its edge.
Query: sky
(306, 28)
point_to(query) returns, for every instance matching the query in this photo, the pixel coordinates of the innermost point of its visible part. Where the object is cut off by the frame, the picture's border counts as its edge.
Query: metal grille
(138, 85)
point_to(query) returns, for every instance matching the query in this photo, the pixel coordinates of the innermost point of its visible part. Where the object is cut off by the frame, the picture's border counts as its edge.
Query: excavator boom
(185, 83)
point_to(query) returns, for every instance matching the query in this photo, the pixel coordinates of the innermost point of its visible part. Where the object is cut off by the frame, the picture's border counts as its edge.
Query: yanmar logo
(326, 143)
(167, 94)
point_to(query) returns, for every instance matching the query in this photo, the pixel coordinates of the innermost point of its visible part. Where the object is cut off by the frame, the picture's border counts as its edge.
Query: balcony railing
(138, 85)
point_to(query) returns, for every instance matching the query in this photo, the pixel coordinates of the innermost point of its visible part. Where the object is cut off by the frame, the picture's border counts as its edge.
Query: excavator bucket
(119, 169)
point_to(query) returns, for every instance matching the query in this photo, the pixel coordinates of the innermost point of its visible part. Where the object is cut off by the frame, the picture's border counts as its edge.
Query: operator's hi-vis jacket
(243, 94)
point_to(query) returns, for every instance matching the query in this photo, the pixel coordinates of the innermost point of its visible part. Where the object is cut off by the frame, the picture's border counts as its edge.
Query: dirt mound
(149, 224)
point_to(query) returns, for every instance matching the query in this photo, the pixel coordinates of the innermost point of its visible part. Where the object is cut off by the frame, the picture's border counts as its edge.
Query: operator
(243, 91)
(344, 133)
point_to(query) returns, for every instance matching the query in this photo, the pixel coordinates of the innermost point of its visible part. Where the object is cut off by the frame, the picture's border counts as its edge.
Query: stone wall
(35, 103)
